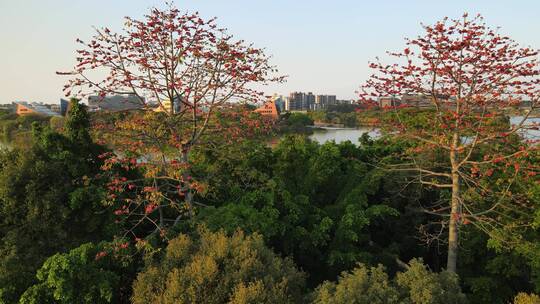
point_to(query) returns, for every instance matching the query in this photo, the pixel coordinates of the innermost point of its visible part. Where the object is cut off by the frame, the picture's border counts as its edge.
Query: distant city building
(61, 108)
(295, 101)
(344, 101)
(165, 106)
(55, 108)
(323, 101)
(115, 103)
(26, 108)
(416, 100)
(299, 101)
(280, 102)
(269, 109)
(64, 106)
(309, 101)
(386, 102)
(320, 102)
(10, 107)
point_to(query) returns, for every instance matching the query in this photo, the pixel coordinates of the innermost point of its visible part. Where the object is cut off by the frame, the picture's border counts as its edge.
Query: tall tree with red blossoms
(192, 71)
(469, 74)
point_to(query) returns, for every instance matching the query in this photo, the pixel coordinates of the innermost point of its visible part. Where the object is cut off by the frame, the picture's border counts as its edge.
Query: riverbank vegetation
(16, 129)
(295, 123)
(355, 116)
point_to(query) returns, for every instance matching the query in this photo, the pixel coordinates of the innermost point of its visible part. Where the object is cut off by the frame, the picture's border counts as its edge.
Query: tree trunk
(185, 175)
(453, 226)
(451, 263)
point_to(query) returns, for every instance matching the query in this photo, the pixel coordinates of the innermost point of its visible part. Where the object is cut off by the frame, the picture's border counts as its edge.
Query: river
(528, 134)
(343, 134)
(340, 135)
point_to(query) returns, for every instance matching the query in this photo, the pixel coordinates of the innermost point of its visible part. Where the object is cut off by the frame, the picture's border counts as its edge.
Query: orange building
(268, 109)
(26, 108)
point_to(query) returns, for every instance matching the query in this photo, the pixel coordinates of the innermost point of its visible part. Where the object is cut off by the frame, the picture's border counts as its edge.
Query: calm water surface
(528, 134)
(341, 135)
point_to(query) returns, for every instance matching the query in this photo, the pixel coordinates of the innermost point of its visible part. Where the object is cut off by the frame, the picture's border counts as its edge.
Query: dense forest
(295, 223)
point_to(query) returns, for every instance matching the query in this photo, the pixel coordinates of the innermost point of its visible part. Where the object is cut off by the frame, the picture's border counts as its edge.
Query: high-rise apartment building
(323, 101)
(296, 101)
(309, 101)
(299, 101)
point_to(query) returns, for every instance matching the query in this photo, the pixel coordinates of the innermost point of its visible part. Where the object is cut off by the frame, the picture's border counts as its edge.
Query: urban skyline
(330, 56)
(86, 98)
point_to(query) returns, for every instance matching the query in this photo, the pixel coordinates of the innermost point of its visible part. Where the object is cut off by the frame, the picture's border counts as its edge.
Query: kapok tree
(468, 75)
(187, 74)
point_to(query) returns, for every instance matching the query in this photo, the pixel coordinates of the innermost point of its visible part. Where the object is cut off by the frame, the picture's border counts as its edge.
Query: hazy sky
(323, 46)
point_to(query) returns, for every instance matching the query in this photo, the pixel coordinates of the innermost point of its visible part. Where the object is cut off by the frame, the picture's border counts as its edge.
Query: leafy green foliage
(422, 286)
(316, 203)
(417, 285)
(49, 201)
(362, 285)
(87, 274)
(57, 123)
(327, 207)
(339, 114)
(498, 262)
(213, 268)
(299, 119)
(523, 298)
(295, 123)
(491, 276)
(16, 130)
(78, 123)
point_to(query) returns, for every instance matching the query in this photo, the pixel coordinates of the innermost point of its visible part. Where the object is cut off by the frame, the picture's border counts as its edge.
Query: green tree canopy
(523, 298)
(417, 285)
(88, 274)
(213, 268)
(49, 202)
(320, 204)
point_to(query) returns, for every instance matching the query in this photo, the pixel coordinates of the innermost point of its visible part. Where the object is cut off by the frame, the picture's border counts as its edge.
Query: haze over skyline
(323, 46)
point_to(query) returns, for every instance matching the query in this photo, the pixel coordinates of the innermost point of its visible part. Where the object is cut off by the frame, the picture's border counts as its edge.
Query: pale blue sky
(323, 46)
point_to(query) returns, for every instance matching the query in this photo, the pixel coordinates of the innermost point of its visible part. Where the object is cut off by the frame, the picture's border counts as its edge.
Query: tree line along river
(322, 135)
